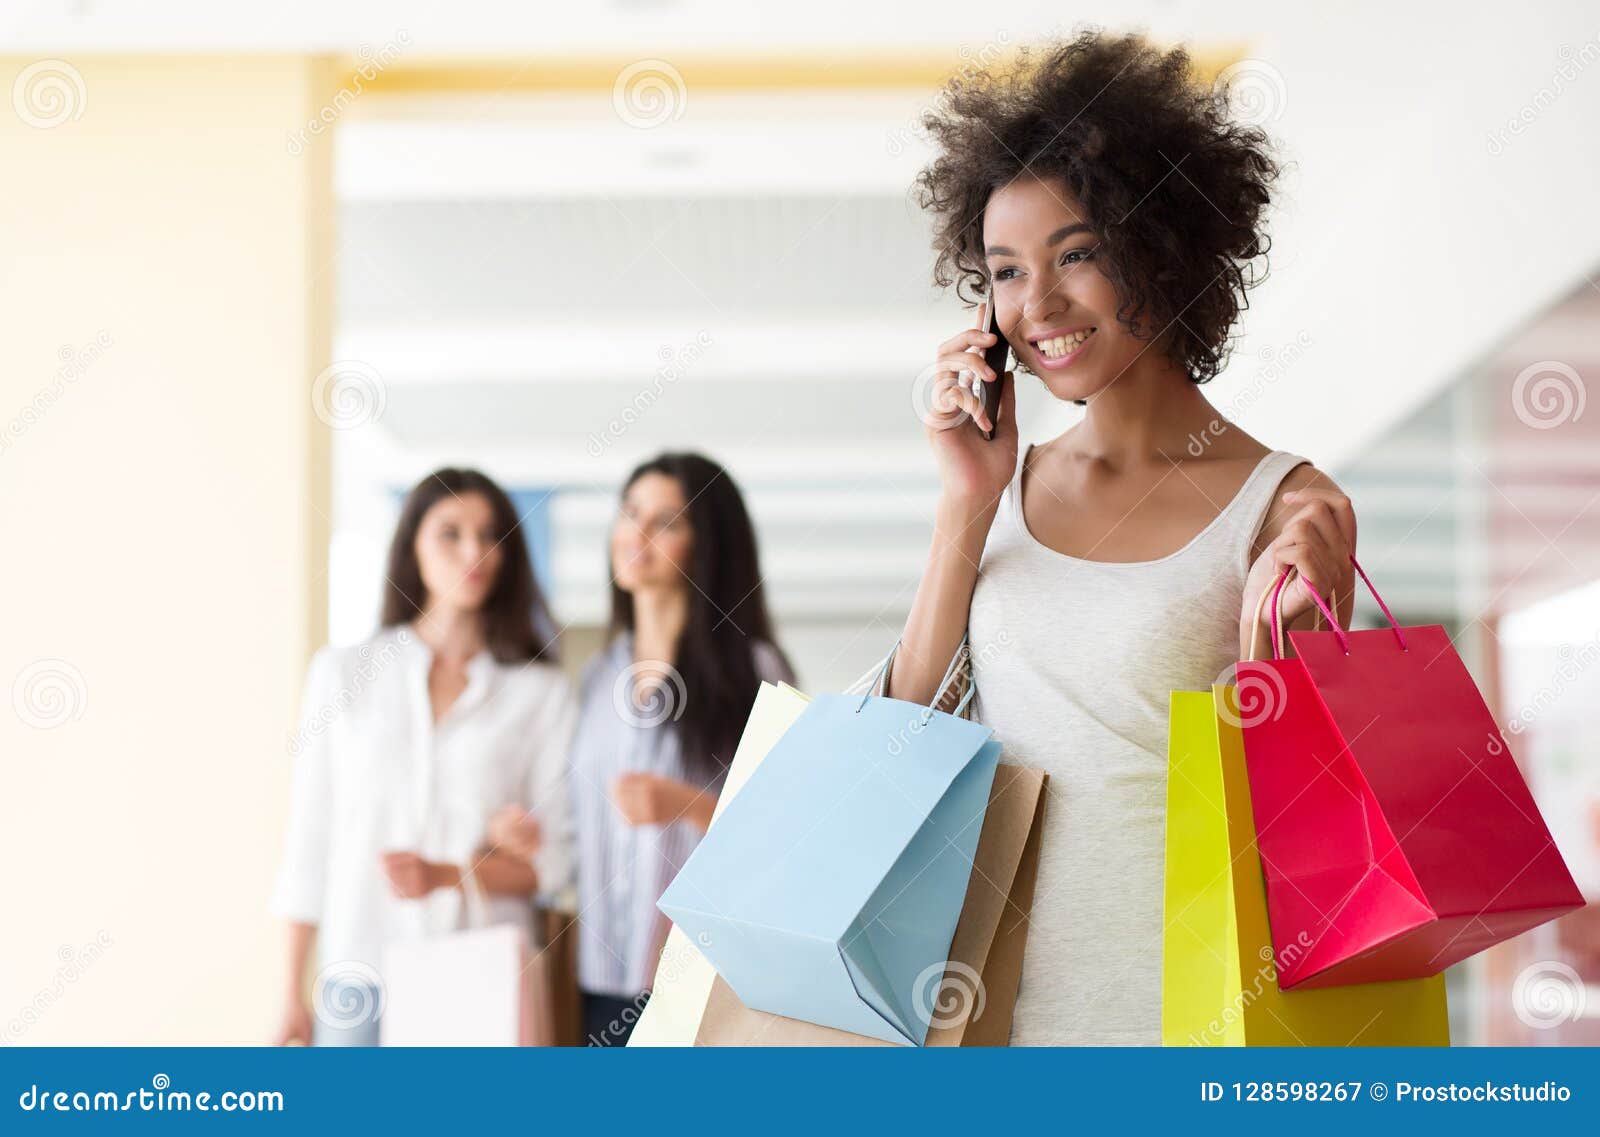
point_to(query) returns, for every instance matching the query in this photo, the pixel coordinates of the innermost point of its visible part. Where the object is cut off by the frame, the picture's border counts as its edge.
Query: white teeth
(1061, 345)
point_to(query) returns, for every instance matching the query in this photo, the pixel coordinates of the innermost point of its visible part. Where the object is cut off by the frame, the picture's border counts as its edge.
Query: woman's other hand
(649, 799)
(1317, 541)
(412, 878)
(296, 1026)
(515, 830)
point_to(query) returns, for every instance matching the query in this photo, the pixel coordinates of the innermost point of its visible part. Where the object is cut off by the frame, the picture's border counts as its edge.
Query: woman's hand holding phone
(973, 471)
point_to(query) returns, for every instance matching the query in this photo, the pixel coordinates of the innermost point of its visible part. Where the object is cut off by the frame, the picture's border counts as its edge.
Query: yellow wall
(165, 305)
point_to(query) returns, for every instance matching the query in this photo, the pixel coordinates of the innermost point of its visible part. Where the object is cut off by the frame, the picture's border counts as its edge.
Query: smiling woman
(1099, 198)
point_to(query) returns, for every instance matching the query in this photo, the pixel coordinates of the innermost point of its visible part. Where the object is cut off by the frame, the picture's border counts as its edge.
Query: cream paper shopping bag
(683, 975)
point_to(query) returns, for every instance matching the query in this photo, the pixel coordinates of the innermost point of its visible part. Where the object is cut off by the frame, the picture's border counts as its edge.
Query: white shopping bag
(476, 987)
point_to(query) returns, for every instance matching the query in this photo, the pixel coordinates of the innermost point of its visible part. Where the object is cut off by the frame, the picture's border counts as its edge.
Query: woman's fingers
(1336, 504)
(954, 363)
(1309, 561)
(950, 396)
(1319, 519)
(965, 340)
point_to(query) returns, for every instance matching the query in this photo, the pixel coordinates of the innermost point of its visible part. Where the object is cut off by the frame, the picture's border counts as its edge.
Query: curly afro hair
(1176, 191)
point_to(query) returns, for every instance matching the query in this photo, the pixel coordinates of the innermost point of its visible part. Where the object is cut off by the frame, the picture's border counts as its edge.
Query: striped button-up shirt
(623, 869)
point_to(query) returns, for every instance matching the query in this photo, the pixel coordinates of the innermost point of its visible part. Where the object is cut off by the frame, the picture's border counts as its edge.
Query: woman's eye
(1003, 274)
(1076, 256)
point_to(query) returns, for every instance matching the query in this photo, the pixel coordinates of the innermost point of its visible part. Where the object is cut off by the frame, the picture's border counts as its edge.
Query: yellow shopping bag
(1219, 975)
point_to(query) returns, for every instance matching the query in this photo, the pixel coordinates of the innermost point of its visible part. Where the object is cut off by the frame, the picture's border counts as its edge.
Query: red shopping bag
(1396, 832)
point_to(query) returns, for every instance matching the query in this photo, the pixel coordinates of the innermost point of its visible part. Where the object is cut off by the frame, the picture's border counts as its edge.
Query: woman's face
(1055, 305)
(458, 551)
(652, 541)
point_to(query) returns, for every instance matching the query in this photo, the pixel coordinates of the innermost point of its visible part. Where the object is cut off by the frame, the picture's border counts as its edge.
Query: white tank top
(1073, 662)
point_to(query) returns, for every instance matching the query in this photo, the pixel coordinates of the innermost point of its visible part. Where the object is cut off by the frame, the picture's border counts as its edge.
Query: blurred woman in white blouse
(407, 745)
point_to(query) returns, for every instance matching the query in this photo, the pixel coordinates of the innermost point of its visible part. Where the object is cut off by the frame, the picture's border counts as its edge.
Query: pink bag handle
(1333, 624)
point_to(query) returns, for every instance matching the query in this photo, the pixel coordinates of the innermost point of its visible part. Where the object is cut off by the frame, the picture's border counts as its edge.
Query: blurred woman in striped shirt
(661, 710)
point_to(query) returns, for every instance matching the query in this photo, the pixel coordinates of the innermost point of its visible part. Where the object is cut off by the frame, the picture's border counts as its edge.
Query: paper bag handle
(949, 673)
(1323, 607)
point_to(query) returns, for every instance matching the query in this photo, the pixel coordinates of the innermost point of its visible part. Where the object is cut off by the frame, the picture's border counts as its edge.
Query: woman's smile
(1055, 350)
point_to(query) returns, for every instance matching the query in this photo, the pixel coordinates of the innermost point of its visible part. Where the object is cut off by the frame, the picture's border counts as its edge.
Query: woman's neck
(454, 635)
(659, 617)
(1151, 412)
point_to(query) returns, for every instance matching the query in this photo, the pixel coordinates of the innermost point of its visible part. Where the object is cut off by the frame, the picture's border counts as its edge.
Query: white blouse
(374, 773)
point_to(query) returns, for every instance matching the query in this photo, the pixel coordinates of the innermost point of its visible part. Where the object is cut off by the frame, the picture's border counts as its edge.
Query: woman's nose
(1042, 301)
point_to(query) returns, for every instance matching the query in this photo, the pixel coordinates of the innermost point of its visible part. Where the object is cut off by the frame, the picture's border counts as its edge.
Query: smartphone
(996, 358)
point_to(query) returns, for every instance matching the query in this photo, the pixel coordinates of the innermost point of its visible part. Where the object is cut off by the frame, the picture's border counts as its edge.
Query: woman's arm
(973, 474)
(938, 619)
(299, 892)
(1311, 527)
(505, 874)
(296, 1025)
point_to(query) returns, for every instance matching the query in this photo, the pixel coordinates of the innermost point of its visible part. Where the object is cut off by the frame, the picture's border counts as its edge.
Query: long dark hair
(517, 627)
(727, 613)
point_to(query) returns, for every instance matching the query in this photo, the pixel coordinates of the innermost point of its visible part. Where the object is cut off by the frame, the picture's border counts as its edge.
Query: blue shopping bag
(829, 889)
